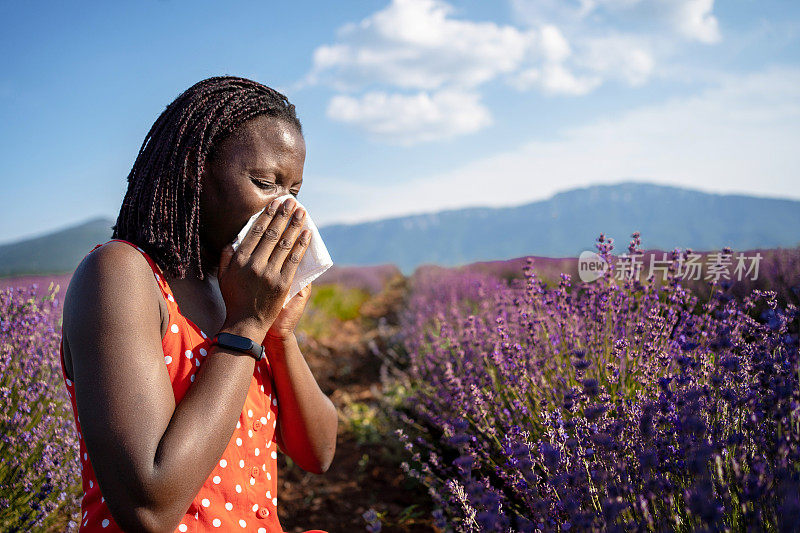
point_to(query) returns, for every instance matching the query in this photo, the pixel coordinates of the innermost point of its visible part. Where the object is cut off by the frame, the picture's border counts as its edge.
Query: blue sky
(409, 106)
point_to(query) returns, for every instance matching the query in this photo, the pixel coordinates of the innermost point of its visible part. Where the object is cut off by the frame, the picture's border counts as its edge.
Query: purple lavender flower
(39, 481)
(614, 405)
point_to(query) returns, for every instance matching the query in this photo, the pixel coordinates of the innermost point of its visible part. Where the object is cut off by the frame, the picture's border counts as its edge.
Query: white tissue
(315, 261)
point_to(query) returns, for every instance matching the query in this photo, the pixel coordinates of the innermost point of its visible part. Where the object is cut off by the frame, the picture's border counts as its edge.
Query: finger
(305, 292)
(296, 255)
(272, 236)
(225, 259)
(290, 234)
(257, 230)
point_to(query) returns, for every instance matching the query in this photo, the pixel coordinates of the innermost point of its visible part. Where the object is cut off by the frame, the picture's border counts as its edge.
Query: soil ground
(363, 474)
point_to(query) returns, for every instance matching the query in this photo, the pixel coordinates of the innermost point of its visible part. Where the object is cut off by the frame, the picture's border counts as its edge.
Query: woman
(177, 432)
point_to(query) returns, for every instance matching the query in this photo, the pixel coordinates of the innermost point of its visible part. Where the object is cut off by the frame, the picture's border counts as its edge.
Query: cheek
(216, 221)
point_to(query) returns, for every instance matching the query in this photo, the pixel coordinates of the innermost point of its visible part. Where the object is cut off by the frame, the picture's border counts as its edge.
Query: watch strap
(239, 344)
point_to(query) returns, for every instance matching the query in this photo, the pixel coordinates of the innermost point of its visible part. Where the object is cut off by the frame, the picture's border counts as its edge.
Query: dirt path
(365, 472)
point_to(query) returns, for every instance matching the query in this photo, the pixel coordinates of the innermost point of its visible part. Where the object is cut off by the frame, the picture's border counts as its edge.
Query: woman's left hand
(287, 320)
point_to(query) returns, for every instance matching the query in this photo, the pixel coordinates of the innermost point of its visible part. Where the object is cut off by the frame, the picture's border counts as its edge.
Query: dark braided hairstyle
(161, 210)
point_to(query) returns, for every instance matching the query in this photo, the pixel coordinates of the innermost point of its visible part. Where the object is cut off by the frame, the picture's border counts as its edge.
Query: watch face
(236, 341)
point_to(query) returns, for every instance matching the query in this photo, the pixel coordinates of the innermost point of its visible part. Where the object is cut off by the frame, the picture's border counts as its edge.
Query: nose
(288, 199)
(282, 191)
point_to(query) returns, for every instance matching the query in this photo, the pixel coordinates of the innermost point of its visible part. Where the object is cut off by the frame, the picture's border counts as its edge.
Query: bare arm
(307, 419)
(150, 456)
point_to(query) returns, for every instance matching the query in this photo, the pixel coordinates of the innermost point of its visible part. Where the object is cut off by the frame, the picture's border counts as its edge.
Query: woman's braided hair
(161, 209)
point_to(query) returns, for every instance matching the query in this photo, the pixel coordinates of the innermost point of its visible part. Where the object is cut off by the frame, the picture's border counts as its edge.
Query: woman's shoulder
(115, 274)
(115, 262)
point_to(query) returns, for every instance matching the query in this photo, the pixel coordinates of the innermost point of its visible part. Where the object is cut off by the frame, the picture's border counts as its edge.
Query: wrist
(243, 329)
(280, 339)
(278, 347)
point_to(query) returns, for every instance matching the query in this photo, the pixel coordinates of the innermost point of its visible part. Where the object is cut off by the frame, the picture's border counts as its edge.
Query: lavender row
(39, 467)
(614, 405)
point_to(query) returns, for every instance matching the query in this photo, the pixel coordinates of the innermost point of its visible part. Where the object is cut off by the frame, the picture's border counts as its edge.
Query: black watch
(239, 343)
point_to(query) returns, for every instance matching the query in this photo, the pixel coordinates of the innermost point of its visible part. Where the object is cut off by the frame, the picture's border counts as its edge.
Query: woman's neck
(210, 264)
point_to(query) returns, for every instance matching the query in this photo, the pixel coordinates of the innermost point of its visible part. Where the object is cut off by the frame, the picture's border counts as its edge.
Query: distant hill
(568, 223)
(561, 226)
(54, 253)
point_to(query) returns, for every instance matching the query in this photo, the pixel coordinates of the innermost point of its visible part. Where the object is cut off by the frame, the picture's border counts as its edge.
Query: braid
(161, 209)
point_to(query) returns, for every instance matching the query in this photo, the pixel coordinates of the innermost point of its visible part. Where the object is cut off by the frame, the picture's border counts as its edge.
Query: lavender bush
(39, 468)
(612, 405)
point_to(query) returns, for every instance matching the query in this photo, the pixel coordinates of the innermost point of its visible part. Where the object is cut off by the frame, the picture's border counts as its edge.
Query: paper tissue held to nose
(315, 261)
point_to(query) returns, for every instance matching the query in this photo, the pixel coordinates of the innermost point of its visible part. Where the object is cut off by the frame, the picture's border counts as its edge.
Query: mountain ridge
(561, 226)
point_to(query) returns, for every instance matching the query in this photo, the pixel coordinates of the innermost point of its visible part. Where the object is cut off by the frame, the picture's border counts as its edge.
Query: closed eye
(263, 184)
(267, 185)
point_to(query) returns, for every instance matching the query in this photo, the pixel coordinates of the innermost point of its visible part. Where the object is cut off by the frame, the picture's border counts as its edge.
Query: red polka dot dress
(240, 494)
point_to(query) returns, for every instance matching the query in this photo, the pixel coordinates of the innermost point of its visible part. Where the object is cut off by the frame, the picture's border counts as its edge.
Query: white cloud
(554, 45)
(602, 49)
(741, 136)
(695, 20)
(692, 19)
(554, 78)
(410, 119)
(569, 48)
(618, 56)
(416, 44)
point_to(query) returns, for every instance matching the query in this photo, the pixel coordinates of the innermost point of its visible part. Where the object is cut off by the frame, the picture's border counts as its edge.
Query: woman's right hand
(255, 279)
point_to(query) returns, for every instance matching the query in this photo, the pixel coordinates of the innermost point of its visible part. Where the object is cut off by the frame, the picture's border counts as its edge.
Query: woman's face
(262, 160)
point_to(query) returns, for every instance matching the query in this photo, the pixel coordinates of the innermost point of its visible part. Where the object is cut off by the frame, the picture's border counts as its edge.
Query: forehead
(264, 139)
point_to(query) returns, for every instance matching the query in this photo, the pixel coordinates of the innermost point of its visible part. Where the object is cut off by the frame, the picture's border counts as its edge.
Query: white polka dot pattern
(222, 501)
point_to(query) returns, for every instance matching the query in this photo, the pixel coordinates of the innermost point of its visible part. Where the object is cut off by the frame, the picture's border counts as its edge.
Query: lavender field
(605, 406)
(515, 396)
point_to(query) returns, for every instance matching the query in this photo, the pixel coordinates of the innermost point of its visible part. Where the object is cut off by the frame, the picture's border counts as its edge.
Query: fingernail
(273, 206)
(299, 214)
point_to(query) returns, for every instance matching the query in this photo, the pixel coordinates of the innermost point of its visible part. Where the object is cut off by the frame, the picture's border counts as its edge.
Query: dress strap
(157, 272)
